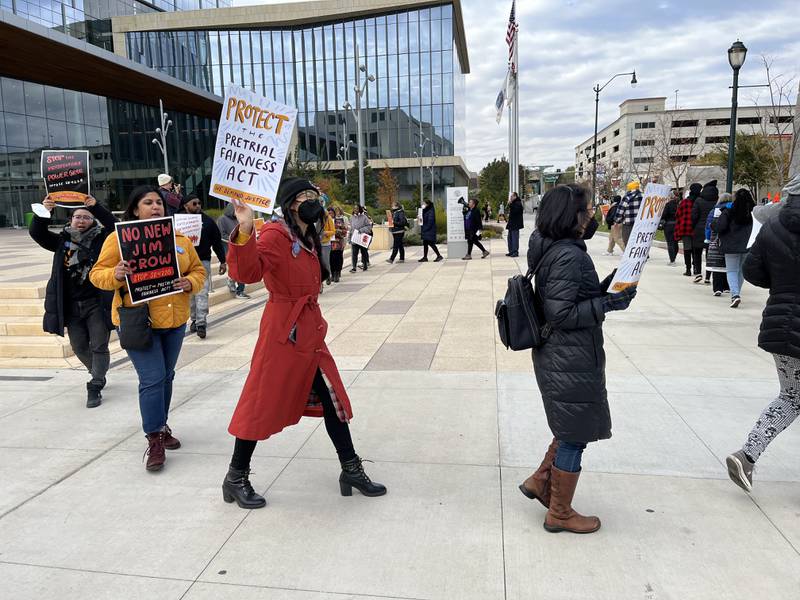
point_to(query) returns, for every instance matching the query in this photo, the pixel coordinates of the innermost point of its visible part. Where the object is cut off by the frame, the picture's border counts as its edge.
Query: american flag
(511, 38)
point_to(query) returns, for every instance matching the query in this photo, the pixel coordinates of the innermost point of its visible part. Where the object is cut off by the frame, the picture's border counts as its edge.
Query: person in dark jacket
(684, 231)
(428, 232)
(472, 227)
(772, 263)
(614, 229)
(734, 227)
(226, 224)
(570, 365)
(715, 258)
(171, 193)
(71, 300)
(702, 206)
(628, 209)
(668, 219)
(209, 238)
(398, 229)
(515, 223)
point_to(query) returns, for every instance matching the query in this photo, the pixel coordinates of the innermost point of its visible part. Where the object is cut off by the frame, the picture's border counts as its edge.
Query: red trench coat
(277, 392)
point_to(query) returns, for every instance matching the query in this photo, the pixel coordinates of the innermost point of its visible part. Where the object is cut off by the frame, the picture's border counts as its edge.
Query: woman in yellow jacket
(325, 238)
(168, 315)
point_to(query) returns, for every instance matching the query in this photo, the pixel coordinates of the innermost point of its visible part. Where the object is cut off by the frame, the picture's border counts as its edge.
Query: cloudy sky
(567, 46)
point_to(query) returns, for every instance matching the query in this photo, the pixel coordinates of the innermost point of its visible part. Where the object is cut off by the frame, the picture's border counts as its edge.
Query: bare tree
(678, 141)
(641, 160)
(776, 121)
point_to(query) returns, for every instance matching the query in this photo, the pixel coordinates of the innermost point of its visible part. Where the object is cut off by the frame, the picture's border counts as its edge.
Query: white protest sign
(190, 225)
(253, 140)
(644, 230)
(361, 239)
(455, 215)
(753, 233)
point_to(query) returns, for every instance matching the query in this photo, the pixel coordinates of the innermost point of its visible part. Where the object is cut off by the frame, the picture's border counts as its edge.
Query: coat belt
(298, 304)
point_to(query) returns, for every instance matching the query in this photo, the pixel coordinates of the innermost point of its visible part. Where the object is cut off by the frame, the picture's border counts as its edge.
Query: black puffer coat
(700, 210)
(774, 263)
(429, 224)
(515, 218)
(570, 366)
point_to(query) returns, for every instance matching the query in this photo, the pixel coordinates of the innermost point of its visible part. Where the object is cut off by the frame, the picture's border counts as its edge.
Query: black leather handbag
(135, 331)
(518, 321)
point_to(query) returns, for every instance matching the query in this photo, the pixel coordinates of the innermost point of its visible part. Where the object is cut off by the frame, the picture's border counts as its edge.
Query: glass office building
(117, 133)
(418, 92)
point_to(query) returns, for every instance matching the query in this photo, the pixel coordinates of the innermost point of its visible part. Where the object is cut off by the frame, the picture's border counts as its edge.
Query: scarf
(78, 258)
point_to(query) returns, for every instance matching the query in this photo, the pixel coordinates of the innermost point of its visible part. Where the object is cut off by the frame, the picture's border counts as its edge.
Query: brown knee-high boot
(561, 516)
(537, 486)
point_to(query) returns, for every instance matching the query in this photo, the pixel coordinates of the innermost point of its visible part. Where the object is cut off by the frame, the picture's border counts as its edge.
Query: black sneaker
(423, 259)
(735, 302)
(193, 326)
(439, 258)
(717, 293)
(242, 296)
(93, 396)
(201, 331)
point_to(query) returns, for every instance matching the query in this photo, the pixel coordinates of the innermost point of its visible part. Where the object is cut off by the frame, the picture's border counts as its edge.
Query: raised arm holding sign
(637, 252)
(253, 140)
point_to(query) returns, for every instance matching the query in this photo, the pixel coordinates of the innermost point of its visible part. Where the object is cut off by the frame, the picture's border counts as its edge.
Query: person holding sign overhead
(168, 314)
(292, 373)
(71, 300)
(570, 365)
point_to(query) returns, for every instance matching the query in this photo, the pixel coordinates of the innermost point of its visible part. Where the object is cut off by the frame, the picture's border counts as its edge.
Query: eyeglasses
(83, 217)
(307, 195)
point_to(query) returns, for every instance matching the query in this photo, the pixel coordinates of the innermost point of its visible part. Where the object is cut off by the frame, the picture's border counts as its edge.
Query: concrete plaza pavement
(453, 423)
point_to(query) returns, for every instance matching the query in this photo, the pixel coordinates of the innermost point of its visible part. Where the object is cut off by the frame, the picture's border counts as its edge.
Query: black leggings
(338, 431)
(432, 246)
(337, 259)
(473, 240)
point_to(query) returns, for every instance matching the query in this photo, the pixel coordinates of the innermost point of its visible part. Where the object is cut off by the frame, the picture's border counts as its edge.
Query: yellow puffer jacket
(165, 313)
(328, 231)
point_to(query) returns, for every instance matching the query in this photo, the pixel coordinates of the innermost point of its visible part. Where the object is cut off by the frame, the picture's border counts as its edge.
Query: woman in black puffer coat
(570, 366)
(700, 210)
(774, 263)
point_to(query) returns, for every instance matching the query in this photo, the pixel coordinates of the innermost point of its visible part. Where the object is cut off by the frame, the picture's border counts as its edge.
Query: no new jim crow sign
(149, 249)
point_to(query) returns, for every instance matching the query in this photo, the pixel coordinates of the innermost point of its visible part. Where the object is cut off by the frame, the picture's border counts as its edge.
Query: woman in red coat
(292, 373)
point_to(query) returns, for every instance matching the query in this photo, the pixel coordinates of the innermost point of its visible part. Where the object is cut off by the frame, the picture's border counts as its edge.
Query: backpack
(518, 323)
(612, 213)
(400, 219)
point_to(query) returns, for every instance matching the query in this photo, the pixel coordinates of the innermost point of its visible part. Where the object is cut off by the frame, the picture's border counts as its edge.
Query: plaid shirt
(629, 208)
(683, 221)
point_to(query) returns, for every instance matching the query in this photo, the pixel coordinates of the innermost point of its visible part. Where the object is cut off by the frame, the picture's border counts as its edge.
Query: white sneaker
(608, 254)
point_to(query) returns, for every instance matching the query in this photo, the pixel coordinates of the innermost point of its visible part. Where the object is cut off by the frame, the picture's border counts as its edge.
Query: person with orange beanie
(628, 209)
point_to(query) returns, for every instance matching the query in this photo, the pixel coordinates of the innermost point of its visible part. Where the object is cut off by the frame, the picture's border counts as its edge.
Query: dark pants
(156, 370)
(697, 258)
(397, 245)
(672, 243)
(568, 456)
(88, 335)
(338, 432)
(432, 246)
(626, 233)
(513, 241)
(356, 249)
(337, 260)
(472, 240)
(719, 281)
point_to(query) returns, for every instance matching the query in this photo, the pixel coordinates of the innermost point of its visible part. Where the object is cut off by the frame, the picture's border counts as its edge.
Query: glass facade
(418, 87)
(116, 133)
(90, 20)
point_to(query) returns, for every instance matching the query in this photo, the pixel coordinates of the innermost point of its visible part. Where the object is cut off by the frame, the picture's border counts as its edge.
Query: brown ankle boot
(170, 441)
(560, 515)
(155, 451)
(537, 486)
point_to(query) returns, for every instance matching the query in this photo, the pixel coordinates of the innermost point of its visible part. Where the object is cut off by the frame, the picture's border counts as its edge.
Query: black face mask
(591, 228)
(310, 212)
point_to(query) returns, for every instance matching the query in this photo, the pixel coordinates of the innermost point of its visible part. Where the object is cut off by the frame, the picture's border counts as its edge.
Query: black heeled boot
(353, 476)
(236, 486)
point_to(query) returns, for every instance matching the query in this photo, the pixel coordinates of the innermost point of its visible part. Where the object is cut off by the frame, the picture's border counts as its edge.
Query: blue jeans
(733, 268)
(568, 456)
(513, 241)
(156, 370)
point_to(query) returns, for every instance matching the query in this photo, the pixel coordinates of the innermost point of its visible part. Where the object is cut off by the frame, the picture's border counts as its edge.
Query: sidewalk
(454, 423)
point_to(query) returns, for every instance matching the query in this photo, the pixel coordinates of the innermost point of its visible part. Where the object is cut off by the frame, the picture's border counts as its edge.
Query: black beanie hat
(289, 189)
(710, 191)
(694, 190)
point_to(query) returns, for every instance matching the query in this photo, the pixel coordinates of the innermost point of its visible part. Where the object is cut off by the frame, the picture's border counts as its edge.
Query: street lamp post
(344, 151)
(736, 55)
(359, 90)
(422, 141)
(434, 156)
(161, 141)
(597, 89)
